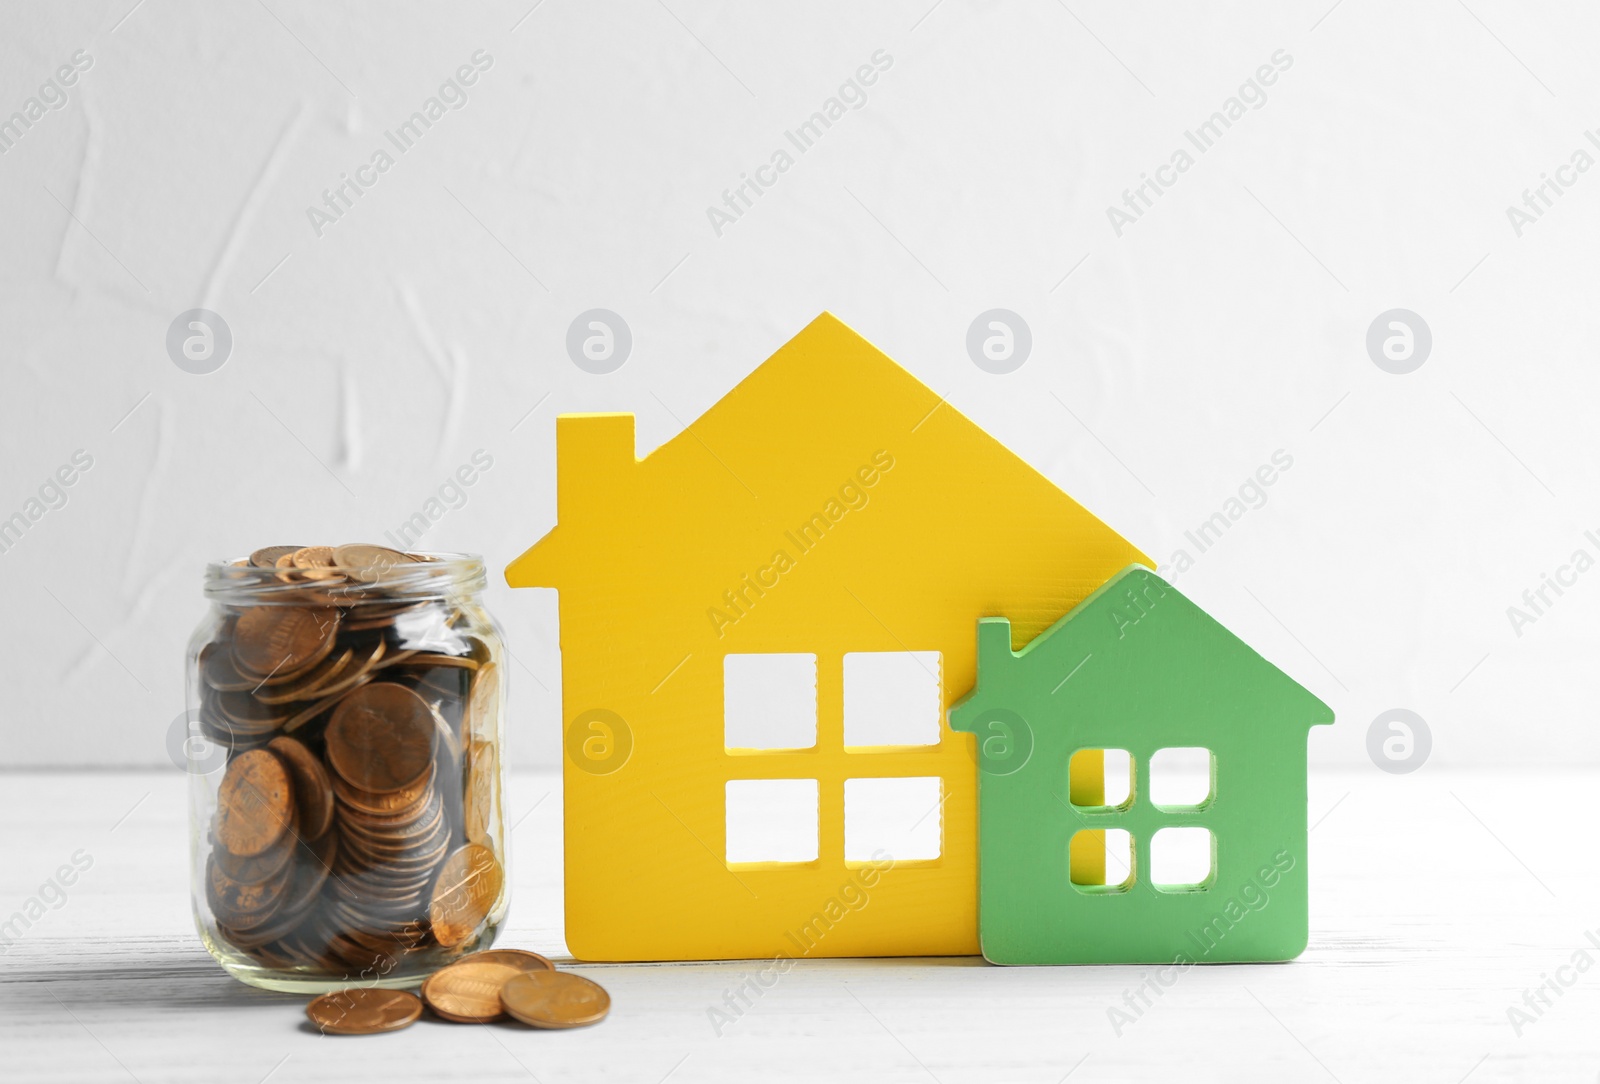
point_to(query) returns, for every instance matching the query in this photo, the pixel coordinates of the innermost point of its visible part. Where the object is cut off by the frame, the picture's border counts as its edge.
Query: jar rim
(435, 575)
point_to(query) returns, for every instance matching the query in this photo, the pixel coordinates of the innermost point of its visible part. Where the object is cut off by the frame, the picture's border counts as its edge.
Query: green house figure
(1140, 679)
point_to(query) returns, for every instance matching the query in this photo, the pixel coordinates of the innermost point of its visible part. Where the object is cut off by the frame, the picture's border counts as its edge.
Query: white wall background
(1228, 323)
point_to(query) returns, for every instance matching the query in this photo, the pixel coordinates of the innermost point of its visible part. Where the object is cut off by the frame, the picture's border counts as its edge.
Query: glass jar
(345, 719)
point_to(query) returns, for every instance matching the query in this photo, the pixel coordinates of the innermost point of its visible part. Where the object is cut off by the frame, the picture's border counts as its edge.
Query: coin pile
(357, 820)
(477, 989)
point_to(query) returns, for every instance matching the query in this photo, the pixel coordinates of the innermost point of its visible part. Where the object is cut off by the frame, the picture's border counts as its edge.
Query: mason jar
(343, 744)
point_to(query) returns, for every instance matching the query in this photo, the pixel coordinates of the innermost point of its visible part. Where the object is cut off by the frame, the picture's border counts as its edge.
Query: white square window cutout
(892, 698)
(772, 820)
(900, 817)
(1182, 859)
(769, 701)
(1180, 775)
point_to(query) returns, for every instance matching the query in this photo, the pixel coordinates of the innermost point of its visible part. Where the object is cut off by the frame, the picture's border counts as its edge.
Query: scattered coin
(554, 999)
(364, 1011)
(521, 959)
(468, 992)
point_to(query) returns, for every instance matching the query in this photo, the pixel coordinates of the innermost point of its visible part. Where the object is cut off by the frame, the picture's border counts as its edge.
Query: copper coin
(483, 705)
(238, 900)
(449, 749)
(456, 662)
(468, 991)
(308, 684)
(254, 803)
(380, 738)
(246, 712)
(267, 556)
(555, 999)
(217, 670)
(482, 774)
(315, 562)
(394, 803)
(521, 959)
(469, 885)
(259, 868)
(368, 563)
(332, 694)
(311, 872)
(271, 639)
(364, 1011)
(313, 792)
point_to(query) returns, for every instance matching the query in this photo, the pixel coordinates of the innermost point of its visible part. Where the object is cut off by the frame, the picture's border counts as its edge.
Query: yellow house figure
(763, 623)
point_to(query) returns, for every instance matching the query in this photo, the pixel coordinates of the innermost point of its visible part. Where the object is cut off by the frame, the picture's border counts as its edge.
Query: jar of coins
(345, 756)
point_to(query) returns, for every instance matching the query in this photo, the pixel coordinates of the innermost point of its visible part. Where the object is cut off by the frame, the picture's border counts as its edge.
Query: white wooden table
(1437, 900)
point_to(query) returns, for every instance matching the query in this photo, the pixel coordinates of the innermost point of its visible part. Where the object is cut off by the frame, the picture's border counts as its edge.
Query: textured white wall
(1228, 322)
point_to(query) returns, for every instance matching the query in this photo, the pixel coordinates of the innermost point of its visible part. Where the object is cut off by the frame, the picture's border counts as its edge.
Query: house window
(771, 820)
(769, 701)
(1107, 782)
(1181, 777)
(902, 817)
(891, 698)
(1182, 859)
(1100, 787)
(1119, 861)
(893, 703)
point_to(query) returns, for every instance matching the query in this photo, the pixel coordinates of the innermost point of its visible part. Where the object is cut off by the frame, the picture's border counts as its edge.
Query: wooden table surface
(1439, 902)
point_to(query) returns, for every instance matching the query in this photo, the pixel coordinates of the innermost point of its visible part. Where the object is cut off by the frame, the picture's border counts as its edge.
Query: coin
(306, 684)
(478, 809)
(368, 563)
(554, 999)
(521, 959)
(383, 803)
(313, 793)
(274, 638)
(468, 991)
(381, 737)
(364, 1011)
(268, 556)
(218, 671)
(468, 886)
(258, 868)
(253, 803)
(237, 899)
(316, 563)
